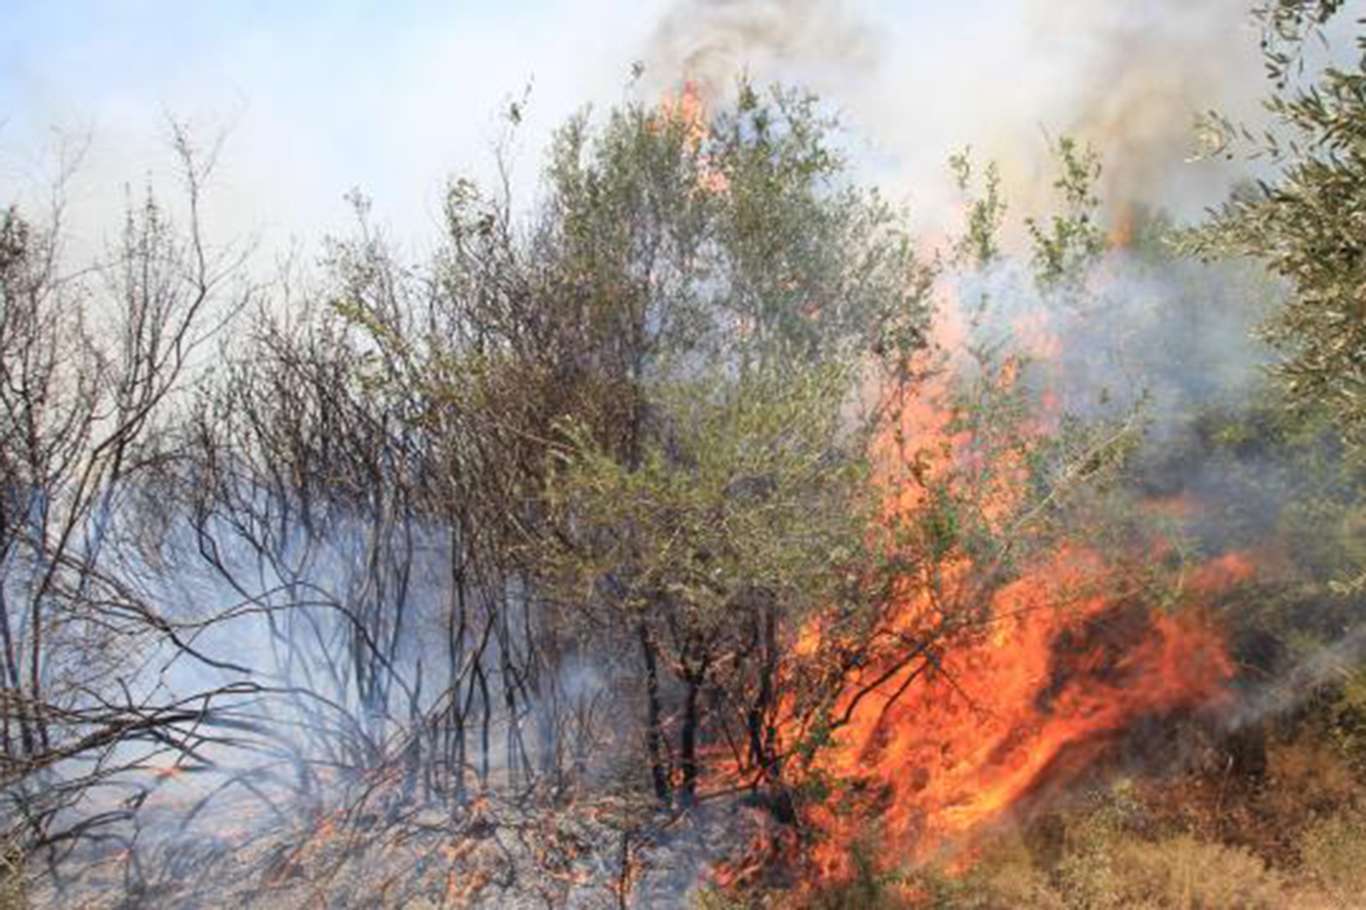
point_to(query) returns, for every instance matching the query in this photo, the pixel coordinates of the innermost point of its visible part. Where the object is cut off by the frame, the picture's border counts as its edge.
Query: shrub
(1307, 778)
(1177, 873)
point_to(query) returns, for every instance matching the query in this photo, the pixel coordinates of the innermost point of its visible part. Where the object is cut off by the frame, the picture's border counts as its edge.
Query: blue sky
(394, 98)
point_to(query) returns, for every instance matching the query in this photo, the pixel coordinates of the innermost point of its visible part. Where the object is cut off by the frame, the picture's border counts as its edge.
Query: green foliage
(668, 231)
(742, 489)
(652, 390)
(1286, 25)
(1305, 222)
(1072, 239)
(979, 246)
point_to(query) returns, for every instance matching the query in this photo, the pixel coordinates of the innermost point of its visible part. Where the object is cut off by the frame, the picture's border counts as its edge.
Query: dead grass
(13, 893)
(1333, 858)
(1178, 873)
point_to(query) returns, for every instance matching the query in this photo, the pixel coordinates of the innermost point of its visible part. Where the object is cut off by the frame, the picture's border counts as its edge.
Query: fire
(168, 772)
(688, 110)
(1048, 669)
(1121, 232)
(1000, 688)
(1058, 670)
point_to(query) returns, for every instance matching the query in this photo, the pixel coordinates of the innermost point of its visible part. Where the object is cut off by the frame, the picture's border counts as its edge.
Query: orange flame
(1059, 670)
(1121, 232)
(688, 110)
(1053, 668)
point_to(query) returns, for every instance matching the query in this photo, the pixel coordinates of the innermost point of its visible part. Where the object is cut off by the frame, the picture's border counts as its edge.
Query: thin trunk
(762, 732)
(487, 722)
(688, 740)
(654, 738)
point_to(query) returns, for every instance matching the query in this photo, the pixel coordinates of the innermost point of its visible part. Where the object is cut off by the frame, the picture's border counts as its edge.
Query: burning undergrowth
(998, 676)
(700, 496)
(1020, 662)
(1060, 675)
(498, 851)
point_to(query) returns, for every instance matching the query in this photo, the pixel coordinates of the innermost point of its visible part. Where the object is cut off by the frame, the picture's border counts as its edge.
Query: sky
(390, 98)
(314, 99)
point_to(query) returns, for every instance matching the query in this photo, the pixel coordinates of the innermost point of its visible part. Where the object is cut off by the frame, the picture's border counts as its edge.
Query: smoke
(1173, 337)
(920, 83)
(710, 42)
(915, 82)
(270, 636)
(1131, 78)
(1291, 688)
(916, 85)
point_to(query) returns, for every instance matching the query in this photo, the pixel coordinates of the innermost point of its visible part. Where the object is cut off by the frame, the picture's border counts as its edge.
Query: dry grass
(1178, 873)
(13, 893)
(1333, 858)
(1306, 780)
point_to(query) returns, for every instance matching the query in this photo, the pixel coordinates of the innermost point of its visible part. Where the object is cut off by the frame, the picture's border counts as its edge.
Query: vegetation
(1157, 843)
(1300, 222)
(684, 485)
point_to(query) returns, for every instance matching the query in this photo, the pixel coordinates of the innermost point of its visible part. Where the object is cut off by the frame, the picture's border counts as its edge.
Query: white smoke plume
(1127, 78)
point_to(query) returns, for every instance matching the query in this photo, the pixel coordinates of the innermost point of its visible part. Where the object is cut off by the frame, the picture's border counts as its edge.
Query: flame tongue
(1061, 664)
(1053, 678)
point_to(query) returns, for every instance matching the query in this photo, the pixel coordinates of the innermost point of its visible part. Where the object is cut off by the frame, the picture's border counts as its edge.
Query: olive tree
(1304, 222)
(651, 391)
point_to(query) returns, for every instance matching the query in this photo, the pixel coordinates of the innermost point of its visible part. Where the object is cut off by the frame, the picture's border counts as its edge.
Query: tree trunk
(688, 740)
(654, 738)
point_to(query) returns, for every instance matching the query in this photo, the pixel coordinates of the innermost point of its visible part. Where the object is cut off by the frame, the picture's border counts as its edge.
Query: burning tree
(730, 506)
